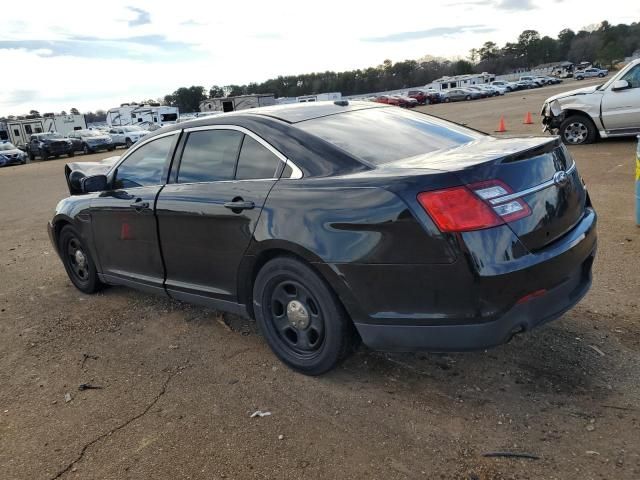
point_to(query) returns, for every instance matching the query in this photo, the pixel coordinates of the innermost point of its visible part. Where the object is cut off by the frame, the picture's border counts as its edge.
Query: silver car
(608, 110)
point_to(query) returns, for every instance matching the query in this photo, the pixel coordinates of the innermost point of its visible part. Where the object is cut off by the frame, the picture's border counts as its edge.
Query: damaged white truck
(601, 111)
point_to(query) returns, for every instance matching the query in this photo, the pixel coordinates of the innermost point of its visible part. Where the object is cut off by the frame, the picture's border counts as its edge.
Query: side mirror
(94, 183)
(620, 85)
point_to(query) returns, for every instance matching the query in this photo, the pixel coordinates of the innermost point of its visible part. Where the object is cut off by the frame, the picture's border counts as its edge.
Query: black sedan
(331, 223)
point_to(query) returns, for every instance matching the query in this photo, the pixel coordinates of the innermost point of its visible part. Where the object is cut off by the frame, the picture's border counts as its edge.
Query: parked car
(547, 80)
(508, 86)
(90, 141)
(388, 100)
(590, 73)
(46, 145)
(11, 155)
(608, 110)
(458, 94)
(406, 102)
(483, 93)
(127, 135)
(533, 81)
(422, 97)
(414, 232)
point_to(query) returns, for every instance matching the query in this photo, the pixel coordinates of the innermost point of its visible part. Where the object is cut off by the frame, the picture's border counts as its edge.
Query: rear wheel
(468, 97)
(578, 130)
(71, 154)
(44, 155)
(86, 150)
(447, 100)
(301, 318)
(128, 143)
(77, 261)
(32, 157)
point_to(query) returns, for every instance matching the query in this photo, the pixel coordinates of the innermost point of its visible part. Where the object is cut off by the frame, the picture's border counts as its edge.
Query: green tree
(216, 92)
(187, 99)
(74, 111)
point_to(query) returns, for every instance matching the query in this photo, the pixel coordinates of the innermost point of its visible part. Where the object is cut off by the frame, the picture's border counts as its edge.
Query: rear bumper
(477, 336)
(453, 312)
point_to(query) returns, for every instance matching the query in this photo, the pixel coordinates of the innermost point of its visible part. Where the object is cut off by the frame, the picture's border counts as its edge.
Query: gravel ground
(178, 383)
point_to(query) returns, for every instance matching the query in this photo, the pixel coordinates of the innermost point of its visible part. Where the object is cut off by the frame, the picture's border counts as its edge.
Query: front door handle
(139, 205)
(238, 205)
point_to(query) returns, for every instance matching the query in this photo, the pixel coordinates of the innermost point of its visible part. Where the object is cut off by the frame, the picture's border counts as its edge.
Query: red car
(423, 98)
(406, 102)
(389, 100)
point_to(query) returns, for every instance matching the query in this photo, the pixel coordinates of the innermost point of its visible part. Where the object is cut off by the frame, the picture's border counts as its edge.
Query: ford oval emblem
(561, 178)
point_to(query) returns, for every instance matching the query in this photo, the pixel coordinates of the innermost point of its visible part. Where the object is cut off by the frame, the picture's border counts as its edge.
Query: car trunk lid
(539, 174)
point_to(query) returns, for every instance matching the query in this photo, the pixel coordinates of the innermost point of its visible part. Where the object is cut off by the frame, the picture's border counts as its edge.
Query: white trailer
(241, 102)
(19, 131)
(134, 114)
(461, 81)
(320, 97)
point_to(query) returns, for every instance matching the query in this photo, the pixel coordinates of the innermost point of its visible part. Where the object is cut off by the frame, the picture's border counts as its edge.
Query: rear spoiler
(76, 171)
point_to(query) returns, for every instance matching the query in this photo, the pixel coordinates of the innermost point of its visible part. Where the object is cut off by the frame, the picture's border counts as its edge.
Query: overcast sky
(55, 55)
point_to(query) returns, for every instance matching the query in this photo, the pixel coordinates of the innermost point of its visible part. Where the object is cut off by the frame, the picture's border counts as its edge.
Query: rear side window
(382, 135)
(209, 156)
(256, 161)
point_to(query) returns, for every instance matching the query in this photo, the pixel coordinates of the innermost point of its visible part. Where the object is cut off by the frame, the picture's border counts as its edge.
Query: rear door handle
(240, 205)
(139, 205)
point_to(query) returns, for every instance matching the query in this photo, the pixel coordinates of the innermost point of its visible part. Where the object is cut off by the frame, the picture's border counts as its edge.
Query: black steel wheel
(301, 318)
(77, 261)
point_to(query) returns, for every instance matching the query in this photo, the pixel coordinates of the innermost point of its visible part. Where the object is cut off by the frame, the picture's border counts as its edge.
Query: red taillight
(478, 206)
(458, 210)
(532, 295)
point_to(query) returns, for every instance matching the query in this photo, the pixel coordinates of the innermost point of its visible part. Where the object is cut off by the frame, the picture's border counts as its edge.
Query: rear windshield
(382, 135)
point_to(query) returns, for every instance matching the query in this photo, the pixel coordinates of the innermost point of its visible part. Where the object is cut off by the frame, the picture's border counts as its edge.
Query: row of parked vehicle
(52, 145)
(428, 95)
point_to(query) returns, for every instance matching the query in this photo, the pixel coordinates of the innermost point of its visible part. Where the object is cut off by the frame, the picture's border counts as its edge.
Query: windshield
(382, 135)
(7, 146)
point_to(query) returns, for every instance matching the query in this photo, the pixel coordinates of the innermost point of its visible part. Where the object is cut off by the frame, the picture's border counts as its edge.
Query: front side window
(633, 77)
(209, 156)
(145, 165)
(256, 161)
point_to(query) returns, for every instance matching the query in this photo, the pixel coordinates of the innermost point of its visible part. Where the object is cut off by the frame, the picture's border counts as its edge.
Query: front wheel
(77, 261)
(32, 157)
(85, 149)
(601, 75)
(578, 130)
(44, 155)
(468, 97)
(71, 154)
(300, 317)
(447, 100)
(128, 143)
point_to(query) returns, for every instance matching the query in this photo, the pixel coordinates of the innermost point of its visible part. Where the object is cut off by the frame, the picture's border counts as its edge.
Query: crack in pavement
(121, 426)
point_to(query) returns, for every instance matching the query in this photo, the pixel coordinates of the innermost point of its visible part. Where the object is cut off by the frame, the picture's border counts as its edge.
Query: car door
(207, 215)
(123, 221)
(116, 137)
(621, 108)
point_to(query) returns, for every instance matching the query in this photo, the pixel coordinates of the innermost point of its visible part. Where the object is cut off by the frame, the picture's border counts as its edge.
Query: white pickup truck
(608, 110)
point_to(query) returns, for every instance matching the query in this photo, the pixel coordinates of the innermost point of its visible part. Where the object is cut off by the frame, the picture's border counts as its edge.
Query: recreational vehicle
(320, 97)
(19, 132)
(461, 81)
(241, 102)
(135, 114)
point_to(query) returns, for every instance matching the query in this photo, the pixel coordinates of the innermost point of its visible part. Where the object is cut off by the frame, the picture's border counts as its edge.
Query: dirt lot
(179, 382)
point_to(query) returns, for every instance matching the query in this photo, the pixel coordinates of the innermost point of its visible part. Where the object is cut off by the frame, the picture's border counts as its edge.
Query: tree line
(604, 43)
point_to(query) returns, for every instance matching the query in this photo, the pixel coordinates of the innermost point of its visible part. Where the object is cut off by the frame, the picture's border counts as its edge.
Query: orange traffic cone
(501, 126)
(527, 119)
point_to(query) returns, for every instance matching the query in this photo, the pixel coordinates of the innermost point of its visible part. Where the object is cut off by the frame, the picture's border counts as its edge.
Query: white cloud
(71, 54)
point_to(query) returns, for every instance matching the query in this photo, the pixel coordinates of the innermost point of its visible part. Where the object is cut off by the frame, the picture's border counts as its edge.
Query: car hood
(95, 137)
(11, 152)
(76, 171)
(572, 93)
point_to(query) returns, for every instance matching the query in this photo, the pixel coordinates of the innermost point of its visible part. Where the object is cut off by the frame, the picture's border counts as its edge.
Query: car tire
(77, 261)
(468, 97)
(85, 149)
(300, 317)
(447, 100)
(71, 154)
(578, 130)
(601, 75)
(128, 143)
(44, 155)
(32, 157)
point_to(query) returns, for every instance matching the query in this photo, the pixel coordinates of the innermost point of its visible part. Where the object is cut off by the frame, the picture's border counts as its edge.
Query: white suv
(608, 110)
(127, 135)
